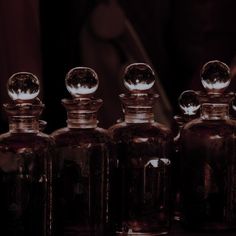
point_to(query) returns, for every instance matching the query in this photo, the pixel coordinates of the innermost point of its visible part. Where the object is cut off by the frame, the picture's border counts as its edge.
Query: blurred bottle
(208, 147)
(189, 105)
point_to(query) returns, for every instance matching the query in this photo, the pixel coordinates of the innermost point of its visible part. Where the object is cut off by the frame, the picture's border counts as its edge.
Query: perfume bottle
(143, 149)
(208, 152)
(83, 161)
(189, 106)
(25, 163)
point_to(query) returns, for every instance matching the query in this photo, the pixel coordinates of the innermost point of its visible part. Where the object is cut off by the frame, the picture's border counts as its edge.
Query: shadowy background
(50, 37)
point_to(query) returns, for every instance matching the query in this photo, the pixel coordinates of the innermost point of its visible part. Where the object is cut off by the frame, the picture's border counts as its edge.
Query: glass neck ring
(139, 115)
(23, 124)
(215, 111)
(81, 120)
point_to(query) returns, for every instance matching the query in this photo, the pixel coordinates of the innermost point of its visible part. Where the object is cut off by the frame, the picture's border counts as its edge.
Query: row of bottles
(128, 180)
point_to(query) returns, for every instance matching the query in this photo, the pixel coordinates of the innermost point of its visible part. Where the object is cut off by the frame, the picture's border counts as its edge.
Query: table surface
(177, 230)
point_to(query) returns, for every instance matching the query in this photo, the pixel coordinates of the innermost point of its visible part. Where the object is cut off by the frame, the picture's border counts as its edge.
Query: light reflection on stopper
(23, 86)
(215, 76)
(189, 103)
(81, 81)
(139, 77)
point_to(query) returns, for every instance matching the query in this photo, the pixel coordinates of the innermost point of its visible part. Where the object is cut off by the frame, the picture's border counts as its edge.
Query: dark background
(49, 37)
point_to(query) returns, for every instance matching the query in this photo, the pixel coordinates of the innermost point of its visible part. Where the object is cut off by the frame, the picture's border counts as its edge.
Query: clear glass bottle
(25, 163)
(208, 146)
(83, 161)
(189, 105)
(141, 202)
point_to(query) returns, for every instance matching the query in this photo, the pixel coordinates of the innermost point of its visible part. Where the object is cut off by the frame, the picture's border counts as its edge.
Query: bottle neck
(81, 120)
(138, 107)
(139, 115)
(23, 124)
(213, 111)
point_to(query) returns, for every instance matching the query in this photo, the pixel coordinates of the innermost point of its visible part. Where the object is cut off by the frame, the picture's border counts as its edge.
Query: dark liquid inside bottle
(209, 175)
(141, 199)
(25, 182)
(82, 183)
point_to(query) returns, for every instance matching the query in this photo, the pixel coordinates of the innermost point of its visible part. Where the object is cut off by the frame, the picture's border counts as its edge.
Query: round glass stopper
(215, 76)
(189, 103)
(81, 81)
(23, 86)
(139, 77)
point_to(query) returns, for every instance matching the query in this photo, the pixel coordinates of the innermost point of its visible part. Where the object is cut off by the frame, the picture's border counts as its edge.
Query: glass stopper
(215, 76)
(139, 77)
(23, 86)
(189, 103)
(81, 81)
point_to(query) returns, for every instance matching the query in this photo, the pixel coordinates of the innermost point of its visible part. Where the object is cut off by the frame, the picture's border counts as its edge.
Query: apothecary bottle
(83, 161)
(25, 163)
(208, 146)
(143, 171)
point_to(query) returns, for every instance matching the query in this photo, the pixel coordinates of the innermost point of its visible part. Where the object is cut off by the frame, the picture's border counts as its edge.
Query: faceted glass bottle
(142, 178)
(208, 147)
(83, 161)
(25, 163)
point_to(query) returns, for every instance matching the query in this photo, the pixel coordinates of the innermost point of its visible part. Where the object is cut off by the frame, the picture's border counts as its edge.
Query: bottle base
(131, 233)
(210, 227)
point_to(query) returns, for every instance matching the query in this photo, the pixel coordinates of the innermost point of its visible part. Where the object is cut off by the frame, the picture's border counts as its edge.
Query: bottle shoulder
(125, 130)
(209, 123)
(67, 136)
(198, 126)
(35, 141)
(25, 136)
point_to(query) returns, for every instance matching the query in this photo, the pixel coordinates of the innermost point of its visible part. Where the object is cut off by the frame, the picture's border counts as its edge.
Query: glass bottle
(189, 105)
(209, 156)
(83, 160)
(25, 163)
(143, 160)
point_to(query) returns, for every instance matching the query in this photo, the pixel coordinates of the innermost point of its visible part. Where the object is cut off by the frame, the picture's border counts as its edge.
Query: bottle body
(208, 174)
(176, 177)
(142, 179)
(25, 184)
(82, 181)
